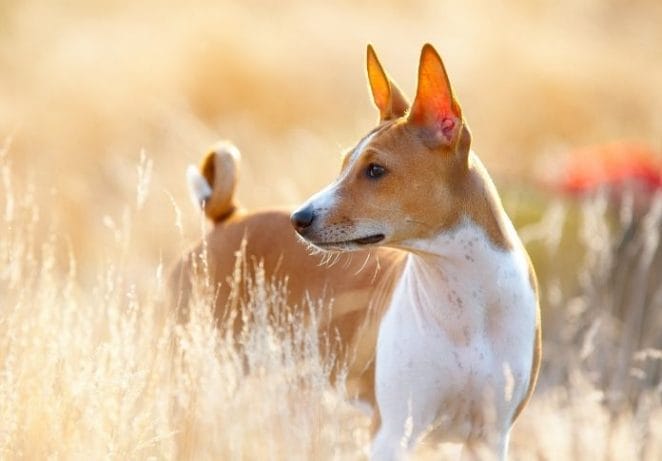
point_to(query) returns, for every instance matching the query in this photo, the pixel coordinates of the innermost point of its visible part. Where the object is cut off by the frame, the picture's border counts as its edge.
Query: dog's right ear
(387, 96)
(435, 109)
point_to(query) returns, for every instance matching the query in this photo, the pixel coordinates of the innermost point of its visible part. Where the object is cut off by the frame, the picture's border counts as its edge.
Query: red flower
(615, 166)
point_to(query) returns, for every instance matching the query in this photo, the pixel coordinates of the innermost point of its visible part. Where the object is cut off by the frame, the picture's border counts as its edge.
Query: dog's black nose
(302, 218)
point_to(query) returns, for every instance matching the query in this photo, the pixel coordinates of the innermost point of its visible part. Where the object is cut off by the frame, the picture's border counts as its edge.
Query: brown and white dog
(459, 348)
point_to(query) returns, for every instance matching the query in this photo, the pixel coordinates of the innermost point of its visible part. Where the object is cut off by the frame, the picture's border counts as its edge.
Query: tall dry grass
(105, 370)
(102, 105)
(599, 395)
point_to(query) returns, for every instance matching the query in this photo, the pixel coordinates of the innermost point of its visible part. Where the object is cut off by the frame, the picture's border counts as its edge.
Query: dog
(352, 289)
(459, 346)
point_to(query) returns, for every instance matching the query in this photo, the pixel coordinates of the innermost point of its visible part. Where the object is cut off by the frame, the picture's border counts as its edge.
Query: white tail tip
(198, 186)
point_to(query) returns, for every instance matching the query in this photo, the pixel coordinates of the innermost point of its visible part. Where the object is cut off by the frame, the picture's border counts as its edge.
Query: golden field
(103, 105)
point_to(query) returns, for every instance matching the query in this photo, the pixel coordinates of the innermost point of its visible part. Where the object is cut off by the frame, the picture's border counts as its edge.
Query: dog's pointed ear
(387, 96)
(435, 109)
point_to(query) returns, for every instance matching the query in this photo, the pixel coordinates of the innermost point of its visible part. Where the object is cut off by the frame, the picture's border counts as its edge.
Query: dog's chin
(348, 245)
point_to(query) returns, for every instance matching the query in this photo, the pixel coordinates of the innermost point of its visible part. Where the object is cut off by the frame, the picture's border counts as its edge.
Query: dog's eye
(375, 171)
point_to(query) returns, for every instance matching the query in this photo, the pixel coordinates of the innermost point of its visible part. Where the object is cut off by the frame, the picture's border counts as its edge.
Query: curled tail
(213, 182)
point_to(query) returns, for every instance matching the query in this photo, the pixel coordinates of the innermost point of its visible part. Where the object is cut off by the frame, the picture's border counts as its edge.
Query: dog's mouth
(368, 240)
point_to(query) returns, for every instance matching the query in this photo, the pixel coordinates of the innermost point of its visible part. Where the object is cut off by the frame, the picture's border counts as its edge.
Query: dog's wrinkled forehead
(353, 154)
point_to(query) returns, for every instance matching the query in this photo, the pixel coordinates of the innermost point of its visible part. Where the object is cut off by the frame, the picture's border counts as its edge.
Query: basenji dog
(459, 346)
(349, 292)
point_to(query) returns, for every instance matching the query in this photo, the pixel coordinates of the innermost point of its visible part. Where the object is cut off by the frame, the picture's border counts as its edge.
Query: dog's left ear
(435, 109)
(387, 96)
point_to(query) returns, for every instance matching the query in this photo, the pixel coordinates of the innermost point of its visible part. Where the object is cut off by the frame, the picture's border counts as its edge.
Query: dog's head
(403, 180)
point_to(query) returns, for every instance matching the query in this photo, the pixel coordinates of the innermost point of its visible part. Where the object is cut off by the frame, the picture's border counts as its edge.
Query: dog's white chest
(455, 347)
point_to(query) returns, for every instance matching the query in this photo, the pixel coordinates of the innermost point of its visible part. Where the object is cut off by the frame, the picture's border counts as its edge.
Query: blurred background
(85, 87)
(563, 98)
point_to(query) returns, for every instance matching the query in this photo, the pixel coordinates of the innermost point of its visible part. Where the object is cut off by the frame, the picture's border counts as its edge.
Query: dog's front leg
(409, 387)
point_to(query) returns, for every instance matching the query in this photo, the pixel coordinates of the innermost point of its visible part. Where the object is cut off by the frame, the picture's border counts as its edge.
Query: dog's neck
(474, 239)
(466, 244)
(461, 274)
